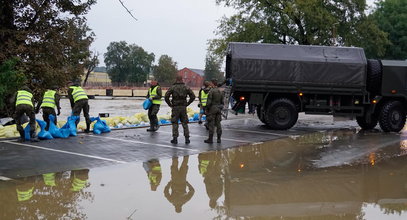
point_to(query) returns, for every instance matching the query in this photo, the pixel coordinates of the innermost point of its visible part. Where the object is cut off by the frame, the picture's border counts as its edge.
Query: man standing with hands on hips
(179, 92)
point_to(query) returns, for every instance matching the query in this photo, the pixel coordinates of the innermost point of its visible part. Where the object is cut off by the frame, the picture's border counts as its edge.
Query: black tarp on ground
(297, 65)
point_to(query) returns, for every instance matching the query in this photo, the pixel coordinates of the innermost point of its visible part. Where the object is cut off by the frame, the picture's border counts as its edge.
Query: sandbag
(55, 131)
(27, 135)
(100, 126)
(71, 125)
(147, 104)
(43, 134)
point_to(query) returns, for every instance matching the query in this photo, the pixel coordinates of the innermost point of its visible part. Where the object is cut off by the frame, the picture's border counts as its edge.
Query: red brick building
(192, 77)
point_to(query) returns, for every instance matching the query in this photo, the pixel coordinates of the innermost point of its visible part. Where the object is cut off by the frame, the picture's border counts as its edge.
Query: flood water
(345, 174)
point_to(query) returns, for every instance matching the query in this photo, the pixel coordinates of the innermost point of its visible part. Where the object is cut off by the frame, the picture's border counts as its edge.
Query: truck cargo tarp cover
(295, 64)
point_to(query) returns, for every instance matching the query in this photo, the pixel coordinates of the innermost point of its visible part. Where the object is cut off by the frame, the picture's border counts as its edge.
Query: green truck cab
(284, 80)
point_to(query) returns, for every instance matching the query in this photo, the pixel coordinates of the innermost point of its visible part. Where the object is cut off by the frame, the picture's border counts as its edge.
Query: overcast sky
(178, 28)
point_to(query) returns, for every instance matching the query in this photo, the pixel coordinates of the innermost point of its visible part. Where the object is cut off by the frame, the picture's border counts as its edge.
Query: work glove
(59, 112)
(199, 105)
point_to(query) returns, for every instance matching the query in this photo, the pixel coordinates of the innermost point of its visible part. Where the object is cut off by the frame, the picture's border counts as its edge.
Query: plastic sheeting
(296, 65)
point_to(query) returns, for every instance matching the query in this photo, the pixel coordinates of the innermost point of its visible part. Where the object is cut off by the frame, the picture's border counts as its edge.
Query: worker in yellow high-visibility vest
(79, 101)
(155, 95)
(24, 106)
(48, 103)
(203, 99)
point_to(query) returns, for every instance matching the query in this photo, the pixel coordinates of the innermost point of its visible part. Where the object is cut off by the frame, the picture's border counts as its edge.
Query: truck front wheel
(281, 114)
(392, 116)
(364, 124)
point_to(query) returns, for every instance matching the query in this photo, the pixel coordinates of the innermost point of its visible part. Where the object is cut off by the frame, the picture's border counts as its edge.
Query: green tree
(50, 37)
(128, 63)
(166, 70)
(391, 17)
(306, 22)
(213, 65)
(10, 80)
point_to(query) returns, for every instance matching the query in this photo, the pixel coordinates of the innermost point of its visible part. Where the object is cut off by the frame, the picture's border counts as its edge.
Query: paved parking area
(128, 145)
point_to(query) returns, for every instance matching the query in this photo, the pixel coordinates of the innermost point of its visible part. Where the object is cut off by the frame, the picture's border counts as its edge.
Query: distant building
(98, 79)
(192, 77)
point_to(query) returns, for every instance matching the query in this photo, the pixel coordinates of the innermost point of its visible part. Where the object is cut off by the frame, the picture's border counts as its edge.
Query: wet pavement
(314, 171)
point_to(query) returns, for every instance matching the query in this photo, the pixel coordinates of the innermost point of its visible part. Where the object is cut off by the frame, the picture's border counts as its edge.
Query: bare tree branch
(121, 2)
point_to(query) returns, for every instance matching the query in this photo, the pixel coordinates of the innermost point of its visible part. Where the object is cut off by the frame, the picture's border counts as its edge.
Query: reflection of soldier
(213, 112)
(154, 174)
(25, 189)
(178, 103)
(178, 185)
(210, 169)
(79, 179)
(49, 179)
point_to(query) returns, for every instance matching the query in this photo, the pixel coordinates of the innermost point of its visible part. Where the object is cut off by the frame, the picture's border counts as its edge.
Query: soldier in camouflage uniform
(213, 112)
(179, 92)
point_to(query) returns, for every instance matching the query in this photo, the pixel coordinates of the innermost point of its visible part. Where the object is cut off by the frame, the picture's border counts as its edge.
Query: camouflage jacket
(179, 93)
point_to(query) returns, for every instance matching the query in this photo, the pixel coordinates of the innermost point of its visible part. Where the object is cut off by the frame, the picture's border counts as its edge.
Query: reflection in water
(154, 174)
(176, 189)
(49, 196)
(210, 169)
(292, 178)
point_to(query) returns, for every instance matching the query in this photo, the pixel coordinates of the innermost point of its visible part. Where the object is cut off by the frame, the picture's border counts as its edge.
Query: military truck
(284, 80)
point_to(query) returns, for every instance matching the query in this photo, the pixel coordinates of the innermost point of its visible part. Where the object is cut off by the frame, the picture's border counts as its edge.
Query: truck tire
(362, 122)
(281, 114)
(374, 76)
(260, 114)
(392, 117)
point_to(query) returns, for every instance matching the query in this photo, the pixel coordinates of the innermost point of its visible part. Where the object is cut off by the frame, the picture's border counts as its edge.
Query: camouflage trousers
(78, 107)
(179, 113)
(22, 110)
(214, 118)
(46, 112)
(152, 114)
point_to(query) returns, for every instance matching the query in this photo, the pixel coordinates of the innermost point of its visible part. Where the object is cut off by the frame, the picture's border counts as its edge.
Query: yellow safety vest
(204, 98)
(78, 184)
(78, 93)
(203, 166)
(24, 195)
(49, 179)
(49, 99)
(24, 98)
(153, 94)
(152, 176)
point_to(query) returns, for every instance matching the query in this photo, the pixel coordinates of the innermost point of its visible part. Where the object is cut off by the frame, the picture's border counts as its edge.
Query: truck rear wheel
(374, 76)
(362, 122)
(260, 114)
(392, 116)
(281, 114)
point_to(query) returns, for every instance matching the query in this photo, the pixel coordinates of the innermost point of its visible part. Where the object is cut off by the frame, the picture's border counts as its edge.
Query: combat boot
(174, 140)
(87, 130)
(151, 129)
(187, 141)
(218, 140)
(22, 137)
(200, 122)
(156, 127)
(209, 140)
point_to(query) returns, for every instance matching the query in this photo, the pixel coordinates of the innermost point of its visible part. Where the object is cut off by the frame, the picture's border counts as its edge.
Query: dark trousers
(78, 107)
(152, 114)
(179, 113)
(214, 118)
(22, 110)
(46, 112)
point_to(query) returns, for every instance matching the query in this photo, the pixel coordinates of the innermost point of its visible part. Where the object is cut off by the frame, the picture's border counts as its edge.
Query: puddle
(344, 174)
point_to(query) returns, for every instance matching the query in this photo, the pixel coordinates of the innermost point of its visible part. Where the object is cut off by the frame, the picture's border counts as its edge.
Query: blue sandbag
(196, 117)
(43, 134)
(100, 126)
(147, 104)
(71, 125)
(55, 131)
(27, 135)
